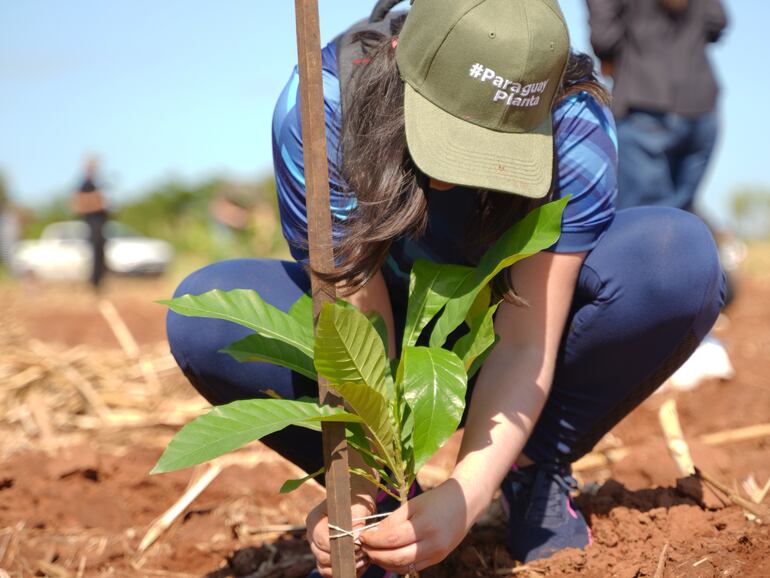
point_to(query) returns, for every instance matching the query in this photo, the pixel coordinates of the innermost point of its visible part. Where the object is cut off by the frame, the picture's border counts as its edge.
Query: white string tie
(341, 532)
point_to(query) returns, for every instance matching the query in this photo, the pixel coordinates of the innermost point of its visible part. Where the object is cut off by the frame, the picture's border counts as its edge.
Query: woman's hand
(318, 534)
(425, 530)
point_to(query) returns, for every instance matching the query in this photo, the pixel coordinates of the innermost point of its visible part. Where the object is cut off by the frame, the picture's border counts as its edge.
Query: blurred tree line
(217, 219)
(750, 207)
(214, 219)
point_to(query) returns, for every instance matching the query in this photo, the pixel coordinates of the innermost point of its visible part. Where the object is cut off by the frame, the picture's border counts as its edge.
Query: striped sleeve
(288, 159)
(586, 148)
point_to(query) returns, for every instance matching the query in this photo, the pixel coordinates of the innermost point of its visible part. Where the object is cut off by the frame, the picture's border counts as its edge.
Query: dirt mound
(630, 530)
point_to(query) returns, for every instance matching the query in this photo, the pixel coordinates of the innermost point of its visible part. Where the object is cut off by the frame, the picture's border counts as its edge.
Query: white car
(63, 252)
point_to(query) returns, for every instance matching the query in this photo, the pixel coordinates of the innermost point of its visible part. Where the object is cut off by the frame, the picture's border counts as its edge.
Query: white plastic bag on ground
(709, 361)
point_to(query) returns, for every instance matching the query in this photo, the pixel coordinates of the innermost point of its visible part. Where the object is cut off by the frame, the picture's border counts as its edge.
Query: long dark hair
(388, 186)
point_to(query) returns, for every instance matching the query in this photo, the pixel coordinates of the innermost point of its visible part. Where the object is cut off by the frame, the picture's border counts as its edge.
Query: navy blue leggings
(646, 296)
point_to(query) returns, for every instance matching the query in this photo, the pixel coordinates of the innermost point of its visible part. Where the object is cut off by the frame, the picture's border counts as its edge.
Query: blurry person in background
(229, 220)
(664, 100)
(664, 95)
(10, 225)
(90, 204)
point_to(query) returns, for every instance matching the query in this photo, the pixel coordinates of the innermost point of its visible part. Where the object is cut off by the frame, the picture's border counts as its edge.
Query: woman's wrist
(478, 492)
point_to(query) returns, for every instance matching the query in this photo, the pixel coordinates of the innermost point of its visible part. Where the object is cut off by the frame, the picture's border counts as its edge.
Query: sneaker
(542, 519)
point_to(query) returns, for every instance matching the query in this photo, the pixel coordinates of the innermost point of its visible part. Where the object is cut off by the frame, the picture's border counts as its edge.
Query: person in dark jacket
(665, 93)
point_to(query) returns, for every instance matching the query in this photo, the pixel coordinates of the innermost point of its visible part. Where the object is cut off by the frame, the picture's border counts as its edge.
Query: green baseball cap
(480, 79)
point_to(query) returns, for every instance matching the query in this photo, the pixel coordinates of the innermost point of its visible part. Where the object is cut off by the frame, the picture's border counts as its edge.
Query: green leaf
(228, 427)
(434, 384)
(291, 485)
(257, 347)
(407, 443)
(370, 478)
(356, 437)
(454, 313)
(374, 410)
(478, 341)
(351, 355)
(379, 326)
(431, 285)
(302, 310)
(349, 350)
(245, 307)
(482, 357)
(537, 231)
(480, 304)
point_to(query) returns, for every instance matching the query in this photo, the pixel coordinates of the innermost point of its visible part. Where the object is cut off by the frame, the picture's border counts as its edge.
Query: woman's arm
(716, 20)
(516, 378)
(509, 395)
(607, 27)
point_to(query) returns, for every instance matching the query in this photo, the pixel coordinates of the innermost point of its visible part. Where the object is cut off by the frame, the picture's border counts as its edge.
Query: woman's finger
(325, 559)
(415, 557)
(317, 528)
(397, 530)
(318, 533)
(320, 538)
(322, 557)
(395, 560)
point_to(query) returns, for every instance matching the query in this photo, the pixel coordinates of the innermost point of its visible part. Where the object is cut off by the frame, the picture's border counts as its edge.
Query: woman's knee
(684, 267)
(665, 261)
(686, 258)
(196, 343)
(182, 331)
(220, 275)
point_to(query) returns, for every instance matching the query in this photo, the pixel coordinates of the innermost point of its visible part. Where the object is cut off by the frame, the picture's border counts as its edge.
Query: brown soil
(82, 510)
(67, 314)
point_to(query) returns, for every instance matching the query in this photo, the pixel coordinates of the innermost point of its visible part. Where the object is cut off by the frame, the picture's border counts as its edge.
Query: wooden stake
(322, 259)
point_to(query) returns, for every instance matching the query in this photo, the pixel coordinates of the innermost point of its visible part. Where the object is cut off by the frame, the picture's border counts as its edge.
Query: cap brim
(455, 151)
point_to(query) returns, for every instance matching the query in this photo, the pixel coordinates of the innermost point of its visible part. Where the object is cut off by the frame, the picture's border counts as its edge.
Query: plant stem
(403, 491)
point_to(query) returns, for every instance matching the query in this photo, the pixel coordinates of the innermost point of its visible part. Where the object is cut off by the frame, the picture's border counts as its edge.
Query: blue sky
(185, 89)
